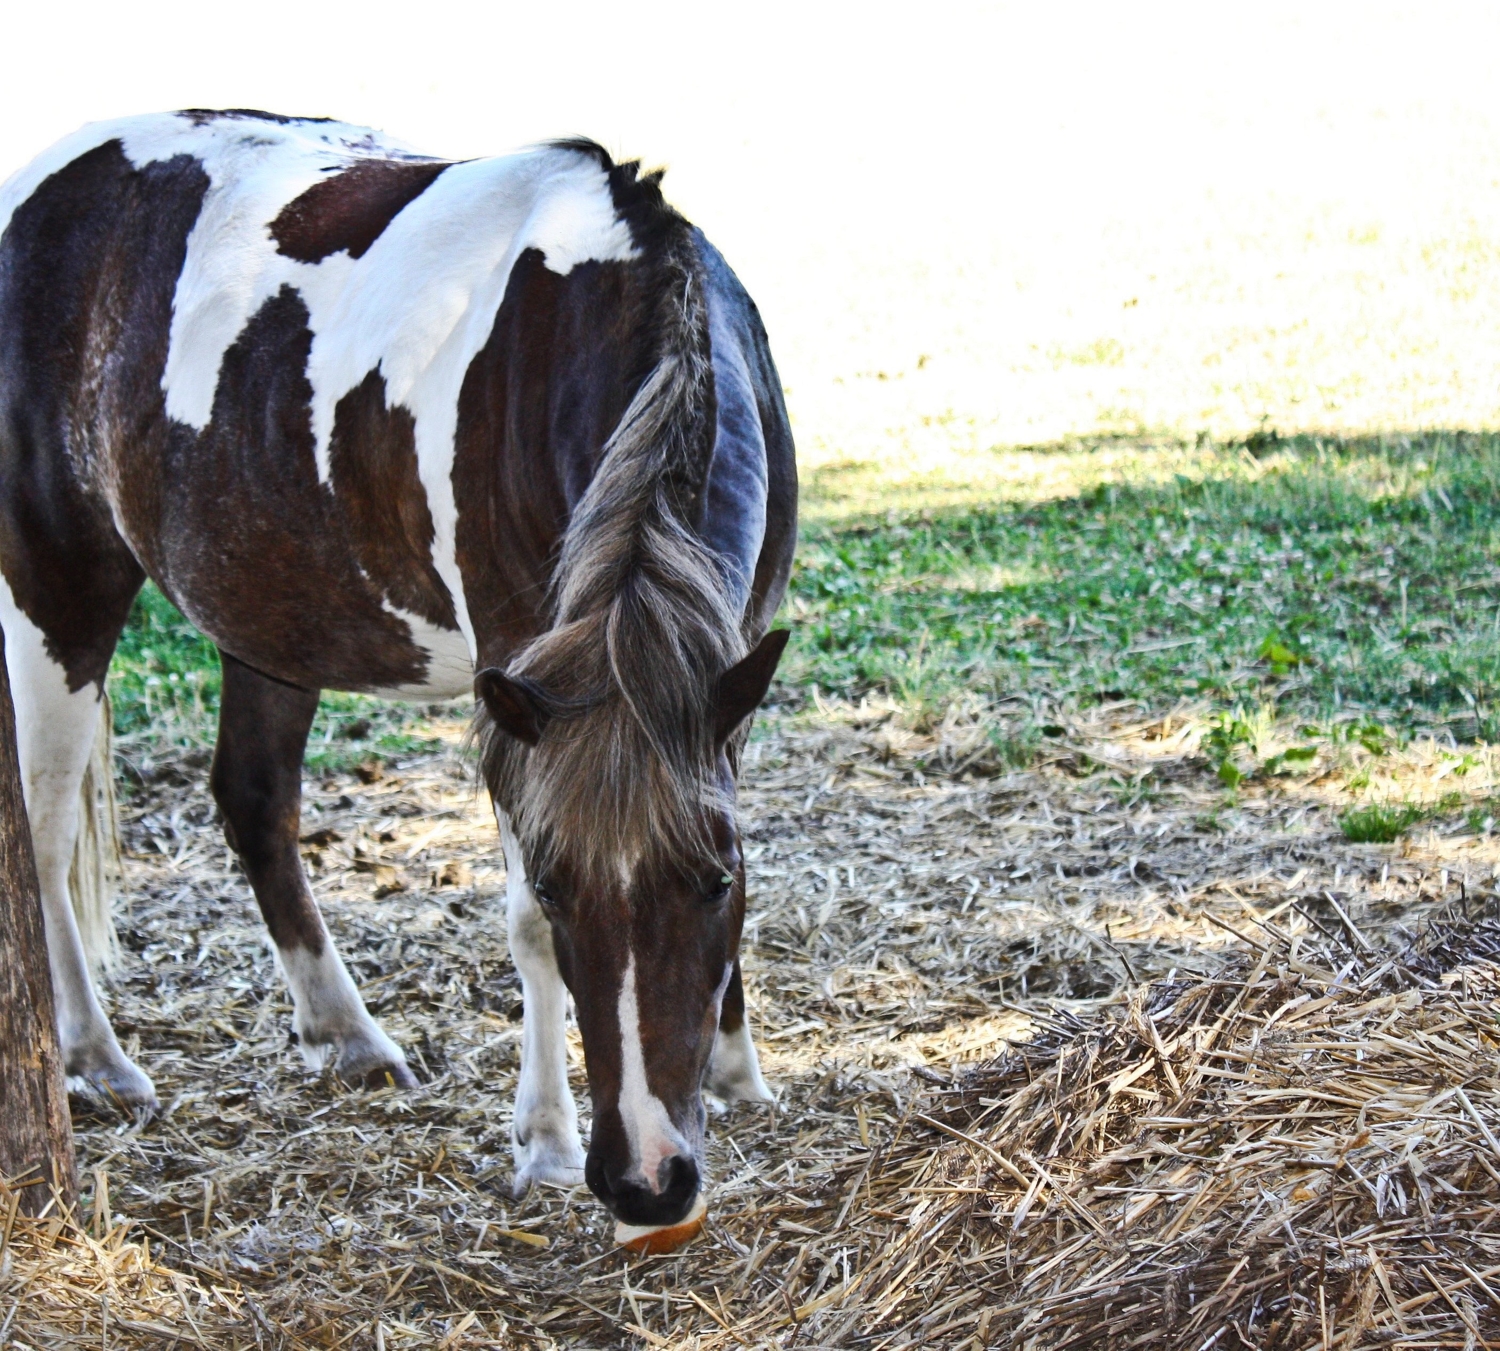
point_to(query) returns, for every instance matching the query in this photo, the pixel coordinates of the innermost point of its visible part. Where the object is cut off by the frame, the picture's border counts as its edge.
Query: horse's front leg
(734, 1069)
(257, 781)
(544, 1131)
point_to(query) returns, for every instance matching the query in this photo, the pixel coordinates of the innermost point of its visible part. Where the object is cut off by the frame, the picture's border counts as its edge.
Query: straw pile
(66, 1283)
(1288, 1155)
(915, 912)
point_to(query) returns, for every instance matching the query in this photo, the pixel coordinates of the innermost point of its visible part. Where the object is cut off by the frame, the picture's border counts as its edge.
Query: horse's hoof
(116, 1080)
(368, 1063)
(362, 1056)
(396, 1075)
(556, 1163)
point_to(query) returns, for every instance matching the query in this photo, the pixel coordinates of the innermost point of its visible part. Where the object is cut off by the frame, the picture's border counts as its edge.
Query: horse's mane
(642, 623)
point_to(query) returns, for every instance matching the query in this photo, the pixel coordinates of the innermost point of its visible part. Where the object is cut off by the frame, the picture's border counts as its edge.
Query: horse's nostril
(636, 1203)
(681, 1180)
(596, 1177)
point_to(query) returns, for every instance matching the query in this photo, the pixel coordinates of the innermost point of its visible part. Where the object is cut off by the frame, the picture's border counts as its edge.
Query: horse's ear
(515, 705)
(744, 685)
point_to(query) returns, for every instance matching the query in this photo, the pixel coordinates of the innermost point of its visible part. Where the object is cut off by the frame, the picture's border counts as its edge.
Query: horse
(382, 422)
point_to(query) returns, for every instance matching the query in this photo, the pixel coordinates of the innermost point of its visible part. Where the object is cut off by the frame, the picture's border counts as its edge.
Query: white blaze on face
(648, 1127)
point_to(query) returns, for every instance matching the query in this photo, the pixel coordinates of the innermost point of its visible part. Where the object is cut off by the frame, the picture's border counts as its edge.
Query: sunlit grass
(1329, 576)
(949, 477)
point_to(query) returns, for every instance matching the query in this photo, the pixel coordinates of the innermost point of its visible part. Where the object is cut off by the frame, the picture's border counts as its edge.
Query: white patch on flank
(544, 1129)
(54, 738)
(329, 1018)
(450, 666)
(648, 1127)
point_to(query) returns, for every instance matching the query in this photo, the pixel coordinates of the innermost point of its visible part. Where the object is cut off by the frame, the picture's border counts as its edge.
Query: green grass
(1382, 822)
(1324, 576)
(1481, 818)
(165, 673)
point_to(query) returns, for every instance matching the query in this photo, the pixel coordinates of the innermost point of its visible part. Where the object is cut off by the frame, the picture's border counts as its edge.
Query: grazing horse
(375, 421)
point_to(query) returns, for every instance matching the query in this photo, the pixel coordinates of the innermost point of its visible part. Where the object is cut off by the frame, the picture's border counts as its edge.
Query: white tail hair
(94, 875)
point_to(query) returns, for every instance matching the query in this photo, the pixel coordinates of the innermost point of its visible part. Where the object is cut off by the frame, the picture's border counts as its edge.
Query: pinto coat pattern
(377, 421)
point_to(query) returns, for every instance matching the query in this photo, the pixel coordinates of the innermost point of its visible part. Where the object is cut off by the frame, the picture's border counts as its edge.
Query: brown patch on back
(349, 210)
(379, 496)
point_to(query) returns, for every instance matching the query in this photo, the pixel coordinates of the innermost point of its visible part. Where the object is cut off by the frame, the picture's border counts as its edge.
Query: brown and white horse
(381, 422)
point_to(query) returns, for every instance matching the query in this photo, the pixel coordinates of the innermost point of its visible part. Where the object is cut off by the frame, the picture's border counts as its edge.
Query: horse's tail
(94, 875)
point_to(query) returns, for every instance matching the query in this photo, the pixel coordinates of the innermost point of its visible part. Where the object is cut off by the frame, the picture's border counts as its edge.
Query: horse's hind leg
(55, 729)
(257, 782)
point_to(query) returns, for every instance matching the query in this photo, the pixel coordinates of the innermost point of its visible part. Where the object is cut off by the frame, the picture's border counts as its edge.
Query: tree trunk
(36, 1134)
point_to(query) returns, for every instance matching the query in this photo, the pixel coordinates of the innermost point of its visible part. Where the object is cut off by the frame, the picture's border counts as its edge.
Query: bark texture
(36, 1134)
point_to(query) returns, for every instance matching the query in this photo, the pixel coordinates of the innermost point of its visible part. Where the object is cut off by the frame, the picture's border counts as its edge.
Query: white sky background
(1303, 201)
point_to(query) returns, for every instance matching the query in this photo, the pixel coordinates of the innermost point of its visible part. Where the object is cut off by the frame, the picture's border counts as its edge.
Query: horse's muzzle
(634, 1202)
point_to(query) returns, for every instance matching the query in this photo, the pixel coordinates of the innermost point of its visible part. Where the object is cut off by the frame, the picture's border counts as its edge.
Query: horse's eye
(544, 896)
(718, 889)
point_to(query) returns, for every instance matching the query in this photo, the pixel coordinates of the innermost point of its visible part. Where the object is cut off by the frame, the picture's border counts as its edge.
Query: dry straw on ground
(918, 912)
(1299, 1152)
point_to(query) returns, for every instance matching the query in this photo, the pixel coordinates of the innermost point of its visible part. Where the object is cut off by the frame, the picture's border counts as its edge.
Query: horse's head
(645, 904)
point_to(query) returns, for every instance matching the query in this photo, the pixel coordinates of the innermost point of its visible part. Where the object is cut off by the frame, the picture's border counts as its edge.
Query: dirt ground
(914, 908)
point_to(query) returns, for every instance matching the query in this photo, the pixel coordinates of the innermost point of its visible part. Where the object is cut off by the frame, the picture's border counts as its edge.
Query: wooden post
(36, 1133)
